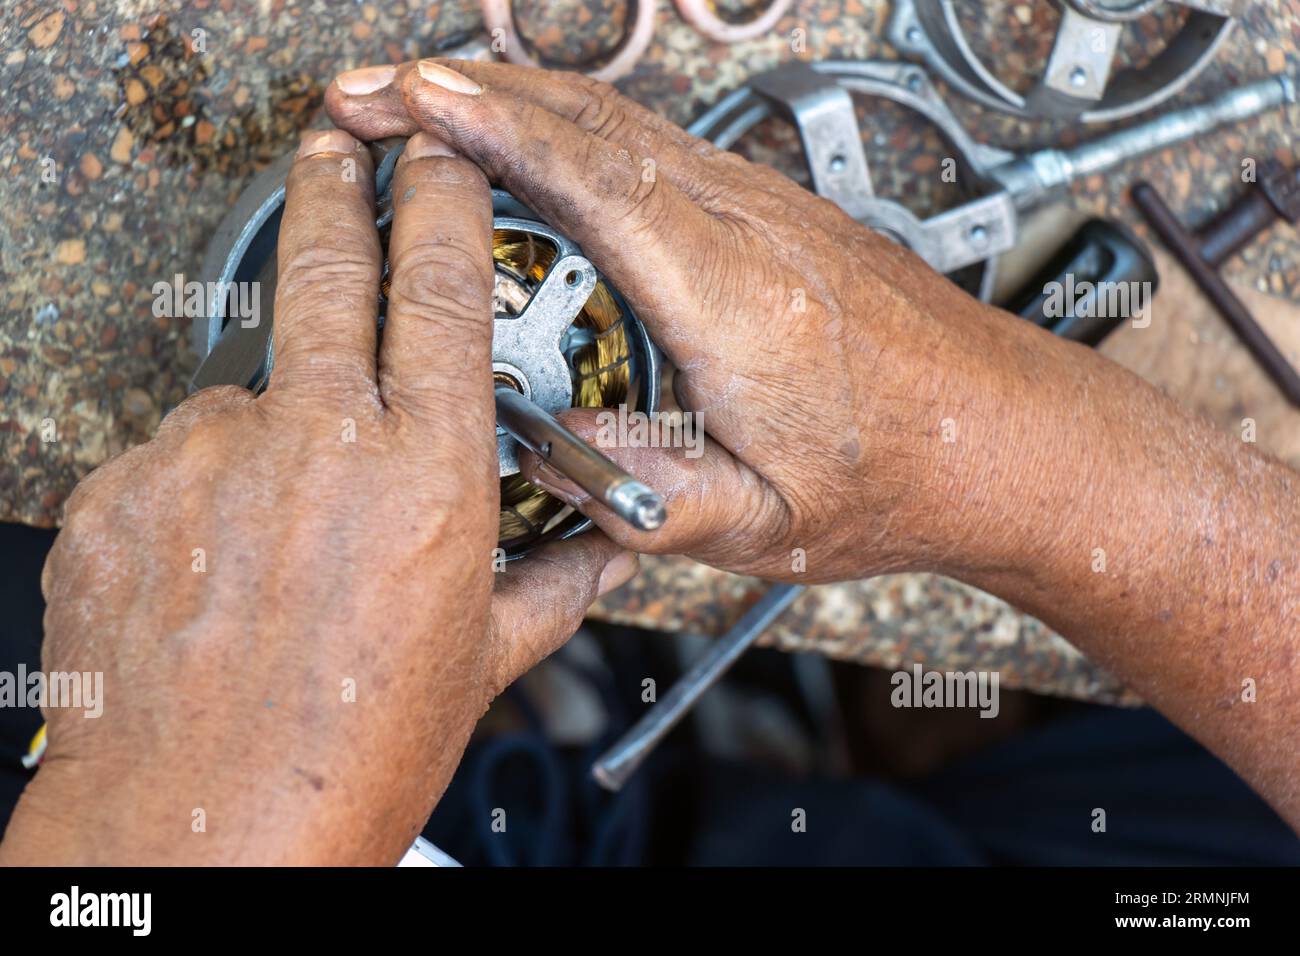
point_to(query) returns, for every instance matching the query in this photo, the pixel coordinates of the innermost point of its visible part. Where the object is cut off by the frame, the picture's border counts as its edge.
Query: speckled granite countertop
(125, 135)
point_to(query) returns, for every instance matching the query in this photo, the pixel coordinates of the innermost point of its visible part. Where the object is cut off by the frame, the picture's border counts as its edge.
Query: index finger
(642, 231)
(328, 261)
(435, 363)
(368, 103)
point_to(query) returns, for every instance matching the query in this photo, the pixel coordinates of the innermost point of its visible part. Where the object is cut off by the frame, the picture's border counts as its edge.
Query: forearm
(1163, 548)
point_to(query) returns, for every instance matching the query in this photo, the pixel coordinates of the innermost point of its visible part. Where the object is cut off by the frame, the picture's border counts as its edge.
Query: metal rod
(568, 454)
(617, 764)
(1031, 177)
(1186, 248)
(1179, 126)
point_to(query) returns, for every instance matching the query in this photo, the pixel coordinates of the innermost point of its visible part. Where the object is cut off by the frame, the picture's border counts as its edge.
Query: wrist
(1004, 452)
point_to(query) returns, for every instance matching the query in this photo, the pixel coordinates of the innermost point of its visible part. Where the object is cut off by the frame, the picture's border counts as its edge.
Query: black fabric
(1167, 800)
(22, 555)
(1028, 801)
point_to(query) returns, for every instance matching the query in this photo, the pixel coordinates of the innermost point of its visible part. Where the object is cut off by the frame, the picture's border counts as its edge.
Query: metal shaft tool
(568, 454)
(617, 764)
(1033, 177)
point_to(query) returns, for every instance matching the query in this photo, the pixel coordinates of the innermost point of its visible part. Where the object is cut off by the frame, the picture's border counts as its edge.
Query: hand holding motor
(291, 596)
(866, 411)
(821, 359)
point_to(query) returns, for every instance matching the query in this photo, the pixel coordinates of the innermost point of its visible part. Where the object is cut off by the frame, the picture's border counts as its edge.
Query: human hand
(864, 409)
(823, 360)
(290, 596)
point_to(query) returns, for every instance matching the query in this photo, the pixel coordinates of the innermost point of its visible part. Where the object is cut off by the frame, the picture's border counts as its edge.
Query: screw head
(1078, 77)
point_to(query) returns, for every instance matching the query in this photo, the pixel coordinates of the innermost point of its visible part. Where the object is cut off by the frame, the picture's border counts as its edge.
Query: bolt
(838, 163)
(913, 34)
(978, 235)
(1078, 77)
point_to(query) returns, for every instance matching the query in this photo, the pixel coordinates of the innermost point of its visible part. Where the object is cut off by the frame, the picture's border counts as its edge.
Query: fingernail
(367, 80)
(325, 141)
(557, 484)
(618, 572)
(447, 79)
(424, 145)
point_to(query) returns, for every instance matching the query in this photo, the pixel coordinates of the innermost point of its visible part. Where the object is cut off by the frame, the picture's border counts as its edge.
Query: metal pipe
(617, 764)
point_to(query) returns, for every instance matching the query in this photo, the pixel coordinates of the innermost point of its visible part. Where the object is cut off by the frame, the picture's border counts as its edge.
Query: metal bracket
(816, 97)
(526, 347)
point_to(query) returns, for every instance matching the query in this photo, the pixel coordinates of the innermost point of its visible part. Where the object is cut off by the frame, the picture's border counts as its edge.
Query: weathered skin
(325, 561)
(828, 422)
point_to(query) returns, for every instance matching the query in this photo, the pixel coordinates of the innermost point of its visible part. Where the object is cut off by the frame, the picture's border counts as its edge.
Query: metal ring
(1077, 84)
(699, 14)
(1098, 10)
(500, 15)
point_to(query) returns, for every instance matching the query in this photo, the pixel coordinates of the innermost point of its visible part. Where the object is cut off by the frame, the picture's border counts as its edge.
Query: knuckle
(601, 112)
(206, 441)
(599, 89)
(80, 511)
(210, 400)
(314, 371)
(323, 267)
(440, 278)
(646, 207)
(490, 139)
(454, 173)
(322, 174)
(99, 483)
(217, 397)
(634, 198)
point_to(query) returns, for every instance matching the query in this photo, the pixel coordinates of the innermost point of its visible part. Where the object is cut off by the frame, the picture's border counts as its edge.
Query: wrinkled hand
(821, 359)
(864, 409)
(291, 596)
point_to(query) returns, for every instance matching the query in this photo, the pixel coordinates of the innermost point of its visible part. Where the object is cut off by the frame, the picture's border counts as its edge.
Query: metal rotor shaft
(568, 454)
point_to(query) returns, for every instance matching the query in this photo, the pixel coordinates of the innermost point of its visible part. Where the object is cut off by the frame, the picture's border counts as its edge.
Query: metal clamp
(526, 347)
(815, 97)
(1077, 82)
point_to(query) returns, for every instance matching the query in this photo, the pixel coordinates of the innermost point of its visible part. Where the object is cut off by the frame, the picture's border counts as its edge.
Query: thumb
(539, 601)
(719, 510)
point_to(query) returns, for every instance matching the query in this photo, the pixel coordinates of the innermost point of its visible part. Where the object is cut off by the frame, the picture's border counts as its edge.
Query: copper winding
(602, 376)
